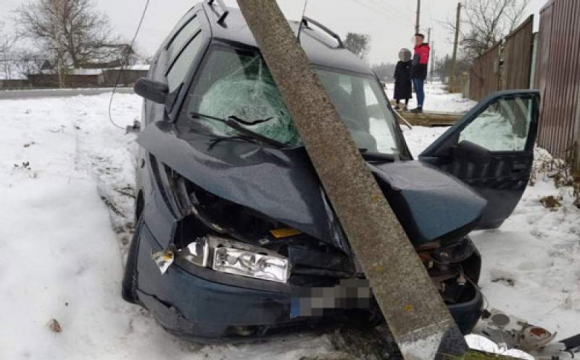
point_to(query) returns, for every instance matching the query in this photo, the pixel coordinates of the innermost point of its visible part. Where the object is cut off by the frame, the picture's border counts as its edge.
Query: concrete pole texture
(417, 316)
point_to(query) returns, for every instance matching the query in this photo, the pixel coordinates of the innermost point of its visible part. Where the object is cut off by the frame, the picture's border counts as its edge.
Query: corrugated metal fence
(517, 57)
(484, 76)
(505, 66)
(558, 78)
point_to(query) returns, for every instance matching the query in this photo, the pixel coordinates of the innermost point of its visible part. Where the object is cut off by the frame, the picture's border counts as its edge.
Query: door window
(503, 126)
(185, 34)
(178, 71)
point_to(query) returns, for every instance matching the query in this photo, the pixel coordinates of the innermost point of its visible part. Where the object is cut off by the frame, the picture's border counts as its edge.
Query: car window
(504, 126)
(236, 83)
(184, 34)
(363, 108)
(178, 71)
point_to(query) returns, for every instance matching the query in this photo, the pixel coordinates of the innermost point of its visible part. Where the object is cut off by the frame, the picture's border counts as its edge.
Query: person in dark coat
(403, 87)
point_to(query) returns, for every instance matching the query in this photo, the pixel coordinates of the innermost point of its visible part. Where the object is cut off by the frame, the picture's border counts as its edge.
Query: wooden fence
(505, 66)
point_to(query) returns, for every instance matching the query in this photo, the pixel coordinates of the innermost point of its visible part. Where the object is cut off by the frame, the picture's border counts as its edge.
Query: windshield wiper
(234, 122)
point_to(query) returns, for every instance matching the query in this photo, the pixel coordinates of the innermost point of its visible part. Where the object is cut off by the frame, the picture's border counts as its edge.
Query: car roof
(321, 49)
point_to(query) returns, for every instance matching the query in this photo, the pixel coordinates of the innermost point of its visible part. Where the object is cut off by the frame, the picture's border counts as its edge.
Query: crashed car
(236, 238)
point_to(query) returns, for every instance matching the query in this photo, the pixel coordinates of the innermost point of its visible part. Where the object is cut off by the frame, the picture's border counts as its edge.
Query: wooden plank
(431, 118)
(417, 316)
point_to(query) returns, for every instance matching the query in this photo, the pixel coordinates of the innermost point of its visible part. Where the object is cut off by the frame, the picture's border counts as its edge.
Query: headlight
(237, 258)
(247, 263)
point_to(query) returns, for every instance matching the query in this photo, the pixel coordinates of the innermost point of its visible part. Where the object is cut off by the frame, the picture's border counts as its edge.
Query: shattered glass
(238, 83)
(249, 93)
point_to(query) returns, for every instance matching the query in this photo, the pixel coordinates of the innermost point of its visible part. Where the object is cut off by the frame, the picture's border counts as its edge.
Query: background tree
(385, 71)
(487, 22)
(73, 32)
(358, 44)
(442, 68)
(6, 46)
(26, 61)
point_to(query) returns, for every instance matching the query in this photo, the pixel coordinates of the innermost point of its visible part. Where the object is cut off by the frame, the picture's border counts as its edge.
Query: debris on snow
(54, 326)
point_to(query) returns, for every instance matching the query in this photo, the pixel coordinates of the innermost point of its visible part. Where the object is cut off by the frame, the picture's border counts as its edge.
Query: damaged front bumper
(208, 306)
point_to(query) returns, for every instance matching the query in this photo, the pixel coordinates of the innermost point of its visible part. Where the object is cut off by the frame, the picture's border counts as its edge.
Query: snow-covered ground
(66, 185)
(437, 99)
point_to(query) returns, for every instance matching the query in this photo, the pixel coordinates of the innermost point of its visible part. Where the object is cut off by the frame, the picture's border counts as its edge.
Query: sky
(390, 23)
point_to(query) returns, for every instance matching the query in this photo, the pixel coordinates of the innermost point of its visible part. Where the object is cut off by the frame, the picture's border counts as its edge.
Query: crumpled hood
(429, 203)
(282, 184)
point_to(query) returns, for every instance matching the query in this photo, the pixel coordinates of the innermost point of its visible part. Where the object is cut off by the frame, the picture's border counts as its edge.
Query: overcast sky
(390, 23)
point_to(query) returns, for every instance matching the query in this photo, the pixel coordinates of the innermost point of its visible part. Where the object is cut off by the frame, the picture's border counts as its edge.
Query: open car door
(492, 149)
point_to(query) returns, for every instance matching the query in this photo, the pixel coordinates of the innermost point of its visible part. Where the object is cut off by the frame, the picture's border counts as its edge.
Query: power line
(125, 61)
(391, 8)
(380, 11)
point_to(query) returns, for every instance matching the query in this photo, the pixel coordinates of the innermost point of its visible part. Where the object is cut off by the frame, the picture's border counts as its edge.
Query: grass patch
(476, 355)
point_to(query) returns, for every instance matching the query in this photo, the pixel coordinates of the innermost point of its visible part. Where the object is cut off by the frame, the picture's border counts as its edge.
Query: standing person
(403, 86)
(419, 70)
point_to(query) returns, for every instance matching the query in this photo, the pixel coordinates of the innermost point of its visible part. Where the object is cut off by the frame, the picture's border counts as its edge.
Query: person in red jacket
(419, 70)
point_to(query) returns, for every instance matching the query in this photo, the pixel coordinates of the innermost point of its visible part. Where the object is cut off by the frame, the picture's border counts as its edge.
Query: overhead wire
(379, 10)
(392, 8)
(124, 64)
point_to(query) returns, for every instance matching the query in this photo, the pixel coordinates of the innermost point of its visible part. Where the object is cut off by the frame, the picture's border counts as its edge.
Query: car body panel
(205, 310)
(435, 206)
(499, 176)
(283, 185)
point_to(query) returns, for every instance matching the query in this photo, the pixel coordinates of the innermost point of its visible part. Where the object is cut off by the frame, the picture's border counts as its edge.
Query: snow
(437, 99)
(66, 184)
(63, 248)
(478, 342)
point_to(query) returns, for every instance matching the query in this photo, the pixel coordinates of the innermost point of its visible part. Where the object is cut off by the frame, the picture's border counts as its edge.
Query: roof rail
(307, 20)
(224, 8)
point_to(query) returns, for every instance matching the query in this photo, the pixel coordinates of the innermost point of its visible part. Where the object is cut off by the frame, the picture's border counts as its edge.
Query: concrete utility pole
(433, 60)
(455, 46)
(417, 316)
(418, 20)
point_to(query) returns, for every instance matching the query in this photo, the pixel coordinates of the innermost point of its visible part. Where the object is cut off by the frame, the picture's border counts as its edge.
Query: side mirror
(151, 90)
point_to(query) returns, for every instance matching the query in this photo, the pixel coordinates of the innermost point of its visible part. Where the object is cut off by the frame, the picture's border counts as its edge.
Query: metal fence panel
(517, 57)
(559, 78)
(484, 76)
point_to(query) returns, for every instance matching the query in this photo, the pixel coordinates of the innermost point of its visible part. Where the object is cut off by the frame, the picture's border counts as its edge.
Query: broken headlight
(237, 258)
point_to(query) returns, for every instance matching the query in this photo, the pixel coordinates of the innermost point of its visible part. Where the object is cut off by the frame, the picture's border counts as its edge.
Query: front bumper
(206, 306)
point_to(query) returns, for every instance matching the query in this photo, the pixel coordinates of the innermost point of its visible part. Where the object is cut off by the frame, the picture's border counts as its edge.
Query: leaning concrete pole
(419, 320)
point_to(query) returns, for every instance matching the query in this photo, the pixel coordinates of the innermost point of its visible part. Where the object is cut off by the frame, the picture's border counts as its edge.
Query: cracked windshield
(234, 83)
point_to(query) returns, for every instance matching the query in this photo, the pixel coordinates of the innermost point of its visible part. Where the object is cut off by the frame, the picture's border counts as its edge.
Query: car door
(492, 149)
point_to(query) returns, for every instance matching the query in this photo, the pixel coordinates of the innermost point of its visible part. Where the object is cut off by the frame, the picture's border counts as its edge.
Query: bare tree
(6, 46)
(26, 61)
(73, 32)
(358, 44)
(486, 22)
(384, 71)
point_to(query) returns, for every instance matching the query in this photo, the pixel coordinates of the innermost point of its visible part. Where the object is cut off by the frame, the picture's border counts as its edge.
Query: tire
(129, 284)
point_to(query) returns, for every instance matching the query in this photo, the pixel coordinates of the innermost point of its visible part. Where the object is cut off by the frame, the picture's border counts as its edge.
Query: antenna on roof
(224, 8)
(302, 21)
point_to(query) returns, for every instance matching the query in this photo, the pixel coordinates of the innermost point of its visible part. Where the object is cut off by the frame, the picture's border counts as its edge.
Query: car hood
(283, 185)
